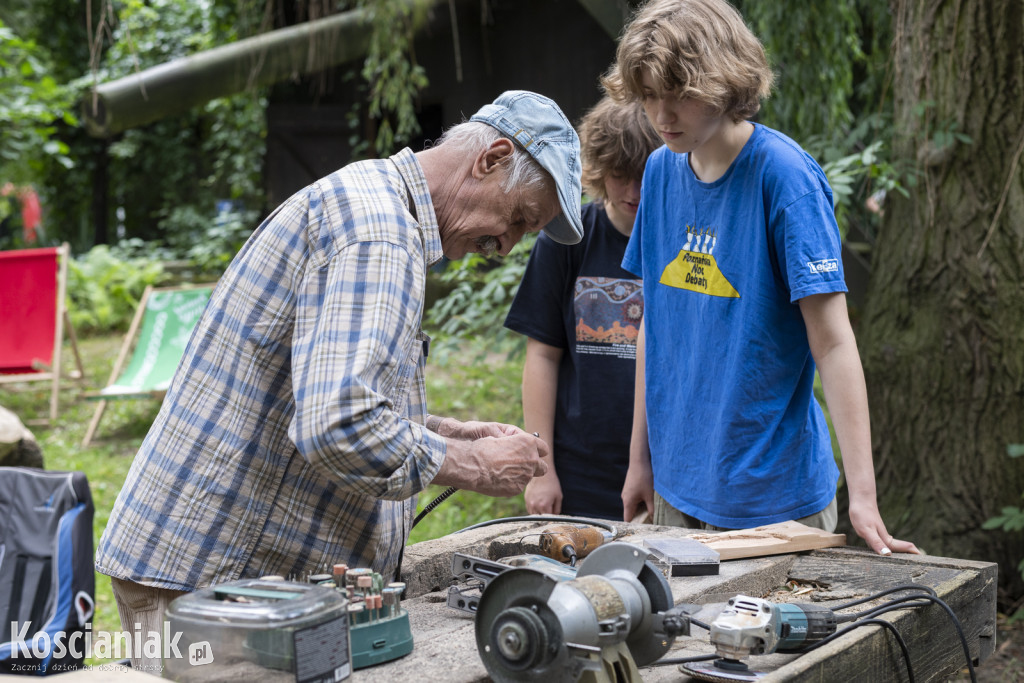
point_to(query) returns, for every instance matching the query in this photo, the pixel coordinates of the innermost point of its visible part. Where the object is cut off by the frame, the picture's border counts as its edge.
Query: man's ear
(492, 158)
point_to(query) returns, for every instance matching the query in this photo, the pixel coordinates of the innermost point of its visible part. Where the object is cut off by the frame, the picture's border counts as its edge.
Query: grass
(463, 387)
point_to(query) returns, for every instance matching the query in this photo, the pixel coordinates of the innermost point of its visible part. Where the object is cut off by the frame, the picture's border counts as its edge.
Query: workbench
(445, 647)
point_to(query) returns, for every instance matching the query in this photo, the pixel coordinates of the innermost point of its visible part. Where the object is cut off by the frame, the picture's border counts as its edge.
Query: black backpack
(47, 584)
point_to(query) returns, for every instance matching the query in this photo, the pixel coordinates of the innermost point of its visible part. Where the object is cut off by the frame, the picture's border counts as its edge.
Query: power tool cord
(866, 622)
(923, 597)
(895, 589)
(683, 660)
(923, 600)
(444, 495)
(542, 518)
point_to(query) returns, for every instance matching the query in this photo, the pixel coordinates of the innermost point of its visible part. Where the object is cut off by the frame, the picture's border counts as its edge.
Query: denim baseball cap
(540, 127)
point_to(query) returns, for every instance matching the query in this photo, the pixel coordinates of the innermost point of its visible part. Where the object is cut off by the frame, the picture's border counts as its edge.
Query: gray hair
(522, 172)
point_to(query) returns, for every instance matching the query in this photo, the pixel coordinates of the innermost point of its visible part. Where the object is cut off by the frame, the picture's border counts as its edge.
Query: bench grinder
(616, 615)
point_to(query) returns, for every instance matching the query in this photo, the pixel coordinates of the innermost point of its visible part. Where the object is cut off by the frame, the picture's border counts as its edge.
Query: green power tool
(752, 626)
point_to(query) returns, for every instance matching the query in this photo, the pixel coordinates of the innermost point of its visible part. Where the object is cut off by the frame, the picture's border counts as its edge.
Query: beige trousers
(142, 611)
(666, 515)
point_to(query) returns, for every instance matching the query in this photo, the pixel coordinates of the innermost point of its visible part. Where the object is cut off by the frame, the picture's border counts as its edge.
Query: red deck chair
(33, 317)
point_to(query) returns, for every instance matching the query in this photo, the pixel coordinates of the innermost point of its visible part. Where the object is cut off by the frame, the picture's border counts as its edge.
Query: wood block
(771, 539)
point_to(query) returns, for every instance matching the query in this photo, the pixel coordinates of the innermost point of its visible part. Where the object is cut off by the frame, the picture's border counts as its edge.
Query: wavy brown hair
(699, 49)
(615, 139)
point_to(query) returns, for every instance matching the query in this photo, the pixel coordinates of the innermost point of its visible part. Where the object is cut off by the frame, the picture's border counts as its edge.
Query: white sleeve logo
(829, 265)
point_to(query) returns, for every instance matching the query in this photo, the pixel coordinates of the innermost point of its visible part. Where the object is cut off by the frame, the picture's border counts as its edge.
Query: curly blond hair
(615, 139)
(696, 49)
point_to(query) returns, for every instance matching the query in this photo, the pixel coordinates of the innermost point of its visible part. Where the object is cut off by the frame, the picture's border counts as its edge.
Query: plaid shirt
(291, 437)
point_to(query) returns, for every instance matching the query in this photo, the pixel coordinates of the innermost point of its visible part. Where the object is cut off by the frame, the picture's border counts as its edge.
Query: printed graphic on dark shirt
(608, 314)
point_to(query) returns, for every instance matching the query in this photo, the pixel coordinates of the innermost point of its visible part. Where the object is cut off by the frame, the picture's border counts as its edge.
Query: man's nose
(512, 237)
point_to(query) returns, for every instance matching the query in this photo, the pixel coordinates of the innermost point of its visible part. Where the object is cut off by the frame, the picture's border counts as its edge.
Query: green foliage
(391, 70)
(476, 306)
(832, 63)
(813, 48)
(857, 166)
(213, 152)
(31, 106)
(1011, 519)
(105, 286)
(470, 385)
(463, 509)
(208, 245)
(165, 176)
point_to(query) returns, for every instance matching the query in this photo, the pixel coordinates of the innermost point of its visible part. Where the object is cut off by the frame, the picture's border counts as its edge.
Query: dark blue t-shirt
(737, 438)
(579, 299)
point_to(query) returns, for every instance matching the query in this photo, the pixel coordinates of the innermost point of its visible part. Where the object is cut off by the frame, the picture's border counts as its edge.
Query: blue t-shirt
(737, 438)
(579, 299)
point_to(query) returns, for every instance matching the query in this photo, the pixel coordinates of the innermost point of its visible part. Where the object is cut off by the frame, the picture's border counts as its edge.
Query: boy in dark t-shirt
(581, 313)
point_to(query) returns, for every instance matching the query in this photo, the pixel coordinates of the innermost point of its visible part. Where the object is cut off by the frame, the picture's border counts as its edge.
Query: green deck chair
(162, 324)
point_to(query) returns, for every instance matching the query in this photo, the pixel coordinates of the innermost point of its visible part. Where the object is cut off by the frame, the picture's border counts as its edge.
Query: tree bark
(942, 337)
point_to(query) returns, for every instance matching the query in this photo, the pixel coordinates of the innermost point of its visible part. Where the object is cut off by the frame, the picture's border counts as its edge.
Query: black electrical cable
(888, 591)
(865, 622)
(701, 624)
(840, 618)
(924, 597)
(541, 518)
(501, 520)
(672, 660)
(897, 605)
(444, 495)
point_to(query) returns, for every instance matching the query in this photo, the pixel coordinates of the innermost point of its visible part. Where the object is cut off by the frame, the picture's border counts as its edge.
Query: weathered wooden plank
(967, 587)
(771, 539)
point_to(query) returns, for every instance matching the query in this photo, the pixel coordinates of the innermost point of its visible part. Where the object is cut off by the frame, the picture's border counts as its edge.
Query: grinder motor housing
(529, 626)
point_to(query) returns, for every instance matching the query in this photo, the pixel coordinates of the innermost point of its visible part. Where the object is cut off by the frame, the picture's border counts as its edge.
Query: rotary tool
(753, 626)
(567, 542)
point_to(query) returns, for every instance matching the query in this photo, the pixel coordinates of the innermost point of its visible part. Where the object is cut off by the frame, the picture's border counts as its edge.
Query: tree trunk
(942, 337)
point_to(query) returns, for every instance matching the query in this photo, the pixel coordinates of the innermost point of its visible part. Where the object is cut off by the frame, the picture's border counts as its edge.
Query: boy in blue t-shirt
(737, 243)
(581, 313)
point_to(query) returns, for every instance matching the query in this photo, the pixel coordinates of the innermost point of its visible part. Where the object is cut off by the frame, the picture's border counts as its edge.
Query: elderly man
(294, 434)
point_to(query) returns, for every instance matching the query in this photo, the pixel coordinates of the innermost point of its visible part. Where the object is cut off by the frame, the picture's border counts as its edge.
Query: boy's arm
(638, 488)
(540, 390)
(835, 353)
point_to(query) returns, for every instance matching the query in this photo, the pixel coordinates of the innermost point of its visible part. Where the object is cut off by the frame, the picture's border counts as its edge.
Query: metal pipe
(176, 86)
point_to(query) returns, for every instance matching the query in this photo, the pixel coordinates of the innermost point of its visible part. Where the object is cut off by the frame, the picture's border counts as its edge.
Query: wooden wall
(552, 47)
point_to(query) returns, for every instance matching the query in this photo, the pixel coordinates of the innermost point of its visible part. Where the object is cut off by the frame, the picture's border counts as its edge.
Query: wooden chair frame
(52, 373)
(127, 348)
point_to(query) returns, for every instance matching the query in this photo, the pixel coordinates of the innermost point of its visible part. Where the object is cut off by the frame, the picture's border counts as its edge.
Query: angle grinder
(753, 626)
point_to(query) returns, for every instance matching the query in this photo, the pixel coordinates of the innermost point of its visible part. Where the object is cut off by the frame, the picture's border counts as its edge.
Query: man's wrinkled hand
(473, 430)
(494, 466)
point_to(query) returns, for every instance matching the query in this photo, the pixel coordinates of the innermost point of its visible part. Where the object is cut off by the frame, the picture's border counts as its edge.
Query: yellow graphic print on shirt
(695, 267)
